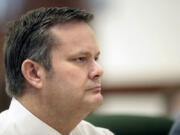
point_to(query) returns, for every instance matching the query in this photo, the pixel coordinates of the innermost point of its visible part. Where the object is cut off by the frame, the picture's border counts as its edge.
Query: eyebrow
(85, 53)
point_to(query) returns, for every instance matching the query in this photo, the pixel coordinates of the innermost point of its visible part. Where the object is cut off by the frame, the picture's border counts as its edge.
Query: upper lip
(97, 86)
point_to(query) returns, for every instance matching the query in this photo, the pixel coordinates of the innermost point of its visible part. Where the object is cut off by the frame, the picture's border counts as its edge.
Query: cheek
(72, 85)
(76, 78)
(73, 75)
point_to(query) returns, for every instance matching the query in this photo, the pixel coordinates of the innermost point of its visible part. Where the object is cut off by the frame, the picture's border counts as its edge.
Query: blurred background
(140, 52)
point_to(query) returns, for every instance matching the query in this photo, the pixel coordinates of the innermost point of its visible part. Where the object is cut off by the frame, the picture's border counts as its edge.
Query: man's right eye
(80, 59)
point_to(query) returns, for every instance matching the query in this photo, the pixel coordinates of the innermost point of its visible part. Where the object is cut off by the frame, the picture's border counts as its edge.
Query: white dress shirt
(17, 120)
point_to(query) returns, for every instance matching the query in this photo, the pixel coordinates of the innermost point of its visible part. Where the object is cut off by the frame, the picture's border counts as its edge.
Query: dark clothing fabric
(175, 130)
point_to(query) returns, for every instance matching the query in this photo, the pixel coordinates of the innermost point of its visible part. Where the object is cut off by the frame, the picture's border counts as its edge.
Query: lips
(95, 89)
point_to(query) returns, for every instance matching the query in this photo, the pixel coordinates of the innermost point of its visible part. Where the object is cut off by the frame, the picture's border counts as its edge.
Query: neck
(63, 121)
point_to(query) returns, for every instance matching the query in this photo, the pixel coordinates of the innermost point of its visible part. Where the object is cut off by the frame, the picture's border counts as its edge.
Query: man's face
(74, 80)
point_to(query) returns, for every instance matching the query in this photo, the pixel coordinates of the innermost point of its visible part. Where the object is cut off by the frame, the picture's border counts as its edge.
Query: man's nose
(96, 71)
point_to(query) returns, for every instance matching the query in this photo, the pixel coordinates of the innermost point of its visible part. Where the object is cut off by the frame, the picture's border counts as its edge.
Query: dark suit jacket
(175, 130)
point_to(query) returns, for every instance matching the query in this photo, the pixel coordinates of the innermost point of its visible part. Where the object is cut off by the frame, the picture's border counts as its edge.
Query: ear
(33, 73)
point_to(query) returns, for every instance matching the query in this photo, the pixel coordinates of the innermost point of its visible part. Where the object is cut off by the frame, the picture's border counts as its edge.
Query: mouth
(96, 89)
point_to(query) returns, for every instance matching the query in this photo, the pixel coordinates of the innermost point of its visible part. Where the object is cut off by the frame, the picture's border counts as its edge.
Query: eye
(96, 58)
(80, 59)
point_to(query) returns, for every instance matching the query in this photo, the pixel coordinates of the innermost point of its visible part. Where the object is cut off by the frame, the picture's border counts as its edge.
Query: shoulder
(89, 129)
(3, 122)
(175, 130)
(3, 119)
(3, 115)
(5, 126)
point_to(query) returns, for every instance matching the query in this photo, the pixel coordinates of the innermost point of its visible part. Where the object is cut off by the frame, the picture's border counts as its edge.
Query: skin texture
(72, 88)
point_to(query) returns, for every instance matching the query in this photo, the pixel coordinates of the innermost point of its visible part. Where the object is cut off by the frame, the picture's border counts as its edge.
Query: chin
(96, 101)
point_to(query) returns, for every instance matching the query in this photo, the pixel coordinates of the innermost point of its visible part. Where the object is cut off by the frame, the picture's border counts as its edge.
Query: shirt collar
(26, 122)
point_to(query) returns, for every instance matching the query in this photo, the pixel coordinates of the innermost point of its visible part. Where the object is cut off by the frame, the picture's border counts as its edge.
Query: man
(52, 74)
(175, 130)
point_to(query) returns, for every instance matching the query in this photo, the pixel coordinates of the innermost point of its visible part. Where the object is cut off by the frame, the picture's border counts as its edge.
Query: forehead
(73, 30)
(75, 37)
